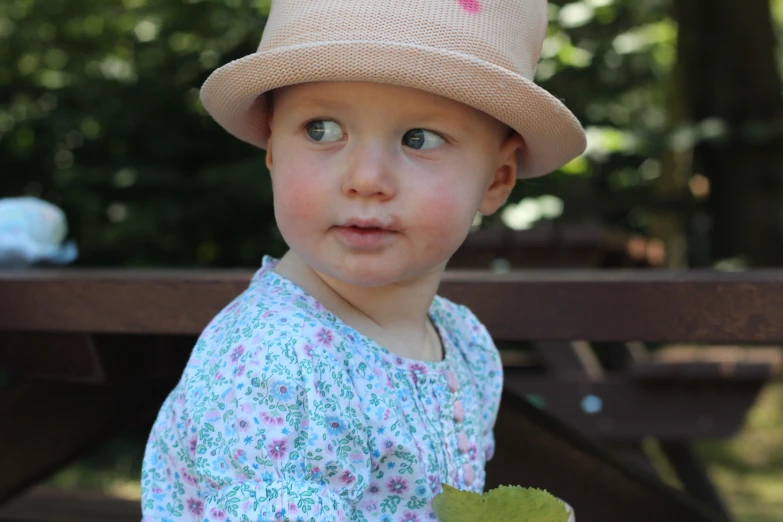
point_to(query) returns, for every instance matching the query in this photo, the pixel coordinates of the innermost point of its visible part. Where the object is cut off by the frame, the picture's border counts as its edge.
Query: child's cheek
(445, 217)
(299, 200)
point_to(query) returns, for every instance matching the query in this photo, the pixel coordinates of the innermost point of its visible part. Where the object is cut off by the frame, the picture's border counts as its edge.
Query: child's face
(376, 184)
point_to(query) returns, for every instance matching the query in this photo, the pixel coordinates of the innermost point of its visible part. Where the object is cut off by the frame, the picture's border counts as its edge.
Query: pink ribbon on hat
(471, 6)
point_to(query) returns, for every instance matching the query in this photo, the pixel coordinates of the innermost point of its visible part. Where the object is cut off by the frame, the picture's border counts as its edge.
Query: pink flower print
(217, 514)
(240, 456)
(277, 449)
(324, 336)
(409, 517)
(347, 478)
(239, 370)
(417, 370)
(243, 424)
(471, 6)
(192, 446)
(397, 485)
(190, 479)
(370, 505)
(274, 421)
(195, 506)
(308, 351)
(238, 352)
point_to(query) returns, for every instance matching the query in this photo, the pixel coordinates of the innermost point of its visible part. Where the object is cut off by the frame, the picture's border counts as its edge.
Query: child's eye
(324, 131)
(421, 139)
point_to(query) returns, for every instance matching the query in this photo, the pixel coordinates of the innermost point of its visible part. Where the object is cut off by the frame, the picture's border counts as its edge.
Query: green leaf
(453, 505)
(504, 504)
(515, 503)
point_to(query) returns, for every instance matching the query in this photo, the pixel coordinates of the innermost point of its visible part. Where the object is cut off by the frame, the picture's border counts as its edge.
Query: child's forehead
(357, 96)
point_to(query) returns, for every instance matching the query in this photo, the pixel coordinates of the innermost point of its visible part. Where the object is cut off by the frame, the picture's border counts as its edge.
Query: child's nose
(369, 175)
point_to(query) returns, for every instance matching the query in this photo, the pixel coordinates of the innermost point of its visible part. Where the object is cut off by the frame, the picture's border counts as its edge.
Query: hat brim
(552, 134)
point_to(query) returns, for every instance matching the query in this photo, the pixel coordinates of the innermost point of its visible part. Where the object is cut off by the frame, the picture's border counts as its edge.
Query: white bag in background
(32, 231)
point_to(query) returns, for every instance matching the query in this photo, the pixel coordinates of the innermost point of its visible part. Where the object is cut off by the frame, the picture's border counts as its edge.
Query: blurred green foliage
(99, 113)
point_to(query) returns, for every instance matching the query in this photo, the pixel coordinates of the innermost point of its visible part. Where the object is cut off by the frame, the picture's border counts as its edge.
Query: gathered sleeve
(273, 434)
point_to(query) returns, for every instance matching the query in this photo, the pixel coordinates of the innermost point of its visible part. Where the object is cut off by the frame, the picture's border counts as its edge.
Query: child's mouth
(364, 238)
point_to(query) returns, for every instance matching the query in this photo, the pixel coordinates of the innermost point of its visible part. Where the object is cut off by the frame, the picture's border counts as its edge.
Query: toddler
(339, 386)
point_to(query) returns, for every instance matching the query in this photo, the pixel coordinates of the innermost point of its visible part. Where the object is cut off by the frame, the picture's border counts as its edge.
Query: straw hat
(482, 53)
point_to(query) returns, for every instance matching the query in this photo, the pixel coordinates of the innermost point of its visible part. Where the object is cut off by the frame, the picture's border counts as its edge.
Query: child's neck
(394, 316)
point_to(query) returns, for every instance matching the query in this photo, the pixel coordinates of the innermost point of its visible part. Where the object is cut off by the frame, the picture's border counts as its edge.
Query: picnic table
(96, 352)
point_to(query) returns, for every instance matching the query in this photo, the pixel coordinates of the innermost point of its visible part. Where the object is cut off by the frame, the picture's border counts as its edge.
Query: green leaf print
(306, 504)
(416, 502)
(175, 511)
(391, 503)
(232, 502)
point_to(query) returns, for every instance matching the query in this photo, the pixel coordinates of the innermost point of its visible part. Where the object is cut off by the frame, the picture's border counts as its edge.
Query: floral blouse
(286, 413)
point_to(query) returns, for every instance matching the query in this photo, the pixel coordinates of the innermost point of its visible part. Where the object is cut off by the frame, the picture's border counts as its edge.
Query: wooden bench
(100, 350)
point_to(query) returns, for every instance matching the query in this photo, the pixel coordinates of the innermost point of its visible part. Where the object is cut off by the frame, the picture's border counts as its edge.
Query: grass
(748, 469)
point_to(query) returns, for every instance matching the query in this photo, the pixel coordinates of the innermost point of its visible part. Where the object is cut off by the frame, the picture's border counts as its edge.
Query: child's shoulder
(465, 331)
(271, 314)
(457, 316)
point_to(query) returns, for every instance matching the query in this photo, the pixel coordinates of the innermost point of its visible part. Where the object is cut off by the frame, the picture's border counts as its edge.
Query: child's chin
(366, 278)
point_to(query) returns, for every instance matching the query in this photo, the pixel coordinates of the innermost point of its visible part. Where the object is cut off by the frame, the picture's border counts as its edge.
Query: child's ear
(270, 114)
(505, 176)
(269, 155)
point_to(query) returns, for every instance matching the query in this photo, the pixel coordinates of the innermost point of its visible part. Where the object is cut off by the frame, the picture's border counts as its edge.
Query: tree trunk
(726, 54)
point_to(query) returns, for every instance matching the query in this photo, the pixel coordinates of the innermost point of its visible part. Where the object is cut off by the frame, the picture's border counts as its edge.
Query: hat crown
(506, 33)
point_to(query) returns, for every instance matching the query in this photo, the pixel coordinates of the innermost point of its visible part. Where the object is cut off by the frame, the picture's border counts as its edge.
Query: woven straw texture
(482, 53)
